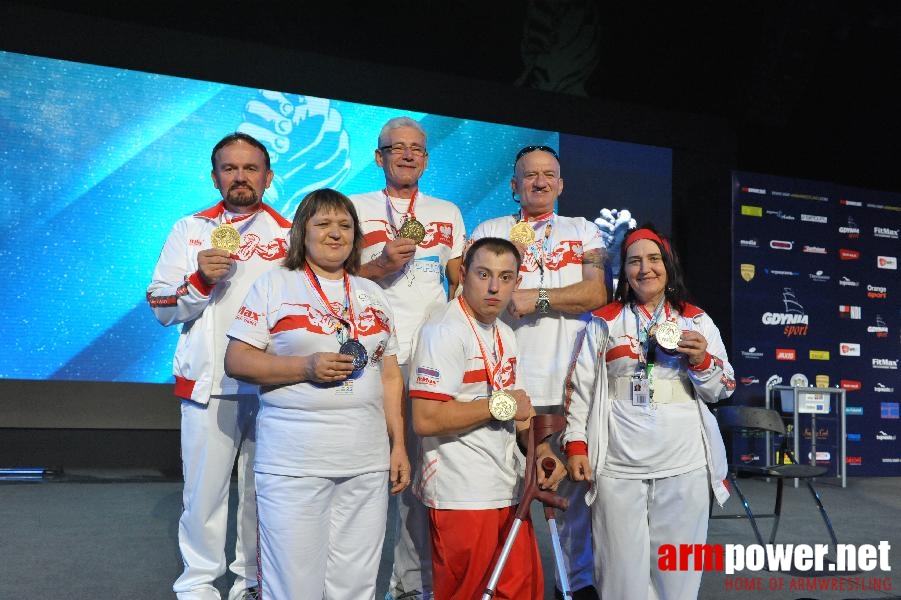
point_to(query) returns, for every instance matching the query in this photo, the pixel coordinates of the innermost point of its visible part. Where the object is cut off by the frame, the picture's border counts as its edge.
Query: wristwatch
(502, 405)
(543, 304)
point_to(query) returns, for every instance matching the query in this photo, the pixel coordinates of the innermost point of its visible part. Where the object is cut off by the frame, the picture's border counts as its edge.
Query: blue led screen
(97, 163)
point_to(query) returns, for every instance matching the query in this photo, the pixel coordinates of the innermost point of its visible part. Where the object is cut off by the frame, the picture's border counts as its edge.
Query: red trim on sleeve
(576, 449)
(197, 281)
(703, 365)
(430, 395)
(184, 387)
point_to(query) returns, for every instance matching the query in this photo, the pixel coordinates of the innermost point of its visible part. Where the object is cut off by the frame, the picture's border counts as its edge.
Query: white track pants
(212, 436)
(321, 538)
(632, 518)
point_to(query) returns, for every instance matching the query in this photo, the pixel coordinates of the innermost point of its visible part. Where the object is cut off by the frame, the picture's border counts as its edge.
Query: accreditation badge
(640, 390)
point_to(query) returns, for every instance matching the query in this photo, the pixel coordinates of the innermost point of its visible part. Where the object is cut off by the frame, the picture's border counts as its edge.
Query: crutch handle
(548, 465)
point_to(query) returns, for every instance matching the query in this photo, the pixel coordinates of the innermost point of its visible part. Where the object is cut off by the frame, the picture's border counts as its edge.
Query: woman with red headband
(638, 426)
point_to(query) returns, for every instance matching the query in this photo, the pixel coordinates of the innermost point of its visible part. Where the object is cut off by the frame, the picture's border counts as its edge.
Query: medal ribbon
(491, 369)
(648, 346)
(348, 305)
(545, 247)
(389, 208)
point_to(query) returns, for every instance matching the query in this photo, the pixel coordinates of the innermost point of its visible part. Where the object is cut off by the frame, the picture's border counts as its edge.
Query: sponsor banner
(848, 311)
(850, 384)
(751, 211)
(786, 354)
(782, 244)
(877, 292)
(751, 353)
(849, 349)
(780, 215)
(797, 262)
(887, 262)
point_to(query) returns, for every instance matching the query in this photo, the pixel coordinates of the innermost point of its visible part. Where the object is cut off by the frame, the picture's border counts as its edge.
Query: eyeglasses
(401, 149)
(529, 149)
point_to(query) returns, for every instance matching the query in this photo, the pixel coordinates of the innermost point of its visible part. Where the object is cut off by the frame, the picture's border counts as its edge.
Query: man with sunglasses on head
(564, 279)
(413, 247)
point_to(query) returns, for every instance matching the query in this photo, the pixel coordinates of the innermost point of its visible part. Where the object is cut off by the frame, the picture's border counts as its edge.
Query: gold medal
(668, 335)
(226, 237)
(522, 233)
(502, 405)
(412, 230)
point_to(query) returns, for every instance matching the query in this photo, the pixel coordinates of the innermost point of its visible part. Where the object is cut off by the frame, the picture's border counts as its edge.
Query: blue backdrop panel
(97, 163)
(816, 296)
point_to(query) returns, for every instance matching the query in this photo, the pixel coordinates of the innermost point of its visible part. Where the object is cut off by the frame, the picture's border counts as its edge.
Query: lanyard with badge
(656, 332)
(346, 331)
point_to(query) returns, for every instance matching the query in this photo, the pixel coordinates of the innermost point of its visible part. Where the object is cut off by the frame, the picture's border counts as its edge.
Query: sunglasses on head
(528, 149)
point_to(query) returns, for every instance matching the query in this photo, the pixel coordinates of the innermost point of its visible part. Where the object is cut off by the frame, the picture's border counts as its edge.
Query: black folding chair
(733, 420)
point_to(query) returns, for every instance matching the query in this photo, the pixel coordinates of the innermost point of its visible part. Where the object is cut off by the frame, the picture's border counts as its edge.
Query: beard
(242, 196)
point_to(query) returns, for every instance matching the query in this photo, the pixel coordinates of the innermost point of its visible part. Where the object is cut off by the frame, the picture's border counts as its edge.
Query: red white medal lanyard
(545, 242)
(236, 219)
(491, 370)
(389, 208)
(314, 282)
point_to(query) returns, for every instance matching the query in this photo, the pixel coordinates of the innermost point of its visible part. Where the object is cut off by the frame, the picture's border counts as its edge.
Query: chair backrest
(750, 417)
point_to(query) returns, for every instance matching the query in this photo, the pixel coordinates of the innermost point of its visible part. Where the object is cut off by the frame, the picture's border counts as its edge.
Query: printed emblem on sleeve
(427, 376)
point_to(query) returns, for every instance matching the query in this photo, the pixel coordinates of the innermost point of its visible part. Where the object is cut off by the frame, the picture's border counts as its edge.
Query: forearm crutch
(542, 427)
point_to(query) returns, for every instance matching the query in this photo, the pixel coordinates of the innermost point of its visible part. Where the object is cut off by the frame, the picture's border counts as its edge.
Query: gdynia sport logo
(808, 565)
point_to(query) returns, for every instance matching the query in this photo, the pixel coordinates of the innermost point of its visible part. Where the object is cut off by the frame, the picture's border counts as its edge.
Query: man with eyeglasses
(564, 278)
(413, 247)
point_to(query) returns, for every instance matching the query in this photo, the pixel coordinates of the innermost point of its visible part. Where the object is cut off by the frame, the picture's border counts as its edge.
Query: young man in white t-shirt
(413, 247)
(468, 407)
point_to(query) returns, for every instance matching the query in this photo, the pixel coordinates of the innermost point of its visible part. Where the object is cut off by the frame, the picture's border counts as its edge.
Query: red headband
(646, 234)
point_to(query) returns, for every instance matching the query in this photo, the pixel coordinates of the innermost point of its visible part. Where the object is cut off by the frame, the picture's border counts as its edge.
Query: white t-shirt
(312, 429)
(477, 469)
(413, 290)
(547, 341)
